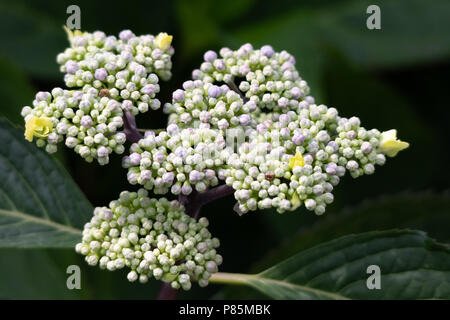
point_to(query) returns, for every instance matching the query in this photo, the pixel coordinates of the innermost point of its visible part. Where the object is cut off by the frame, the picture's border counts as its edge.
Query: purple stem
(130, 129)
(166, 292)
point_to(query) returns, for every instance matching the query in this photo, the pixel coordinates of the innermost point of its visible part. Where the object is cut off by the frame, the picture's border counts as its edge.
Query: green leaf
(419, 210)
(411, 32)
(40, 205)
(33, 39)
(413, 266)
(15, 90)
(34, 274)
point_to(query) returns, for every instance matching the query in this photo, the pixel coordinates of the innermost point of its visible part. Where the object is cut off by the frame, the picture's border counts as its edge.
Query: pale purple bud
(251, 105)
(292, 60)
(267, 51)
(126, 55)
(244, 120)
(178, 95)
(126, 162)
(71, 67)
(284, 119)
(100, 74)
(244, 69)
(219, 64)
(149, 89)
(287, 66)
(43, 96)
(181, 152)
(107, 215)
(351, 134)
(331, 168)
(172, 129)
(195, 176)
(340, 170)
(310, 99)
(168, 177)
(127, 105)
(126, 35)
(318, 189)
(86, 121)
(140, 70)
(210, 56)
(186, 189)
(366, 147)
(224, 88)
(204, 116)
(334, 145)
(211, 267)
(246, 48)
(352, 165)
(79, 41)
(214, 91)
(196, 74)
(146, 175)
(210, 174)
(132, 178)
(223, 124)
(285, 133)
(296, 92)
(303, 104)
(135, 159)
(261, 128)
(102, 152)
(158, 157)
(298, 139)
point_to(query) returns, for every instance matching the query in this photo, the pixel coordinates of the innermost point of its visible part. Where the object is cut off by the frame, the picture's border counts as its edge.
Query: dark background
(396, 77)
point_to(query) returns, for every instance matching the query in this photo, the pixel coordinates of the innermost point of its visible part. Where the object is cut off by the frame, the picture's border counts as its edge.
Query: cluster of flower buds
(202, 104)
(179, 160)
(96, 59)
(84, 120)
(300, 158)
(246, 119)
(153, 238)
(284, 163)
(109, 77)
(268, 79)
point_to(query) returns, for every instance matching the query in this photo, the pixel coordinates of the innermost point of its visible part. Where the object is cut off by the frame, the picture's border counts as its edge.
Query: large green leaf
(412, 265)
(15, 92)
(33, 39)
(411, 31)
(419, 210)
(40, 205)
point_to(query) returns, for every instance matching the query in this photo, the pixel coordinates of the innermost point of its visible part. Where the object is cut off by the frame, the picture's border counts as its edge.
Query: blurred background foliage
(396, 77)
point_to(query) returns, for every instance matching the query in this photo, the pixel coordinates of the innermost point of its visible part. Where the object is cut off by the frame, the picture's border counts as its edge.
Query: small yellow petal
(39, 127)
(163, 41)
(296, 161)
(391, 148)
(390, 145)
(30, 126)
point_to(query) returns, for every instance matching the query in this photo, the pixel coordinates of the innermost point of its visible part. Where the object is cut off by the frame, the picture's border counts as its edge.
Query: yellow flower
(39, 127)
(71, 34)
(390, 145)
(163, 41)
(296, 161)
